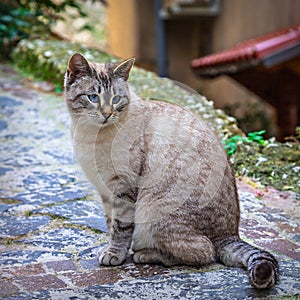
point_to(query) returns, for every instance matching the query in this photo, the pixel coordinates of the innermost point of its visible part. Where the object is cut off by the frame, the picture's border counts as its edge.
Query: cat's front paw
(112, 257)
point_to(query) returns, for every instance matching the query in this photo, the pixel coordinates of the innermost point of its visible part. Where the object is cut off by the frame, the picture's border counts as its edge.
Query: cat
(166, 184)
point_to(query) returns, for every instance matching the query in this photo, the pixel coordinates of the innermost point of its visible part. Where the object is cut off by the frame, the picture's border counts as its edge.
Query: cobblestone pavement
(51, 224)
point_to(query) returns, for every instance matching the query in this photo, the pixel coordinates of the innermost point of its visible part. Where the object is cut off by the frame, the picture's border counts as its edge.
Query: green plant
(256, 137)
(21, 19)
(14, 26)
(252, 137)
(47, 59)
(275, 164)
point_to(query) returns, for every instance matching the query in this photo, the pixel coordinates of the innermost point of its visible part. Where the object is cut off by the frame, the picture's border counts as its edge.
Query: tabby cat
(167, 187)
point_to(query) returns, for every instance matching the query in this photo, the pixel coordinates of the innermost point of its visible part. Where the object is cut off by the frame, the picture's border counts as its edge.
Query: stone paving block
(22, 257)
(33, 269)
(89, 264)
(283, 246)
(39, 282)
(6, 102)
(7, 288)
(61, 266)
(263, 227)
(17, 226)
(46, 186)
(88, 213)
(4, 207)
(98, 223)
(94, 277)
(139, 271)
(255, 230)
(50, 195)
(3, 125)
(62, 239)
(92, 252)
(88, 258)
(4, 170)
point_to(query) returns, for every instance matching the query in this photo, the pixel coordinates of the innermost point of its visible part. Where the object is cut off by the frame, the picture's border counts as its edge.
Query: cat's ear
(78, 65)
(122, 70)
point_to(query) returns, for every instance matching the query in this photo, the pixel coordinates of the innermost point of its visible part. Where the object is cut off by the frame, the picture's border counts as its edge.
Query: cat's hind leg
(194, 250)
(152, 256)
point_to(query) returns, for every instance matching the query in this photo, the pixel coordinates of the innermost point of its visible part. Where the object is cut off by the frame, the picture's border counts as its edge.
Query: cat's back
(162, 113)
(177, 147)
(170, 123)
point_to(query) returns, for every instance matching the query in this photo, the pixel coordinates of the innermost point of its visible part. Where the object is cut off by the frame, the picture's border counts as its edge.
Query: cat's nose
(106, 115)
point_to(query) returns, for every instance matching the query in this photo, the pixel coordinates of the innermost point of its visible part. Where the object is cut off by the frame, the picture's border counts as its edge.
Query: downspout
(160, 40)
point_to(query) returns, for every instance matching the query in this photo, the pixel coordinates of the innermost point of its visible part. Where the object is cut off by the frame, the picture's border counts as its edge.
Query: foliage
(272, 164)
(21, 19)
(47, 60)
(266, 161)
(232, 142)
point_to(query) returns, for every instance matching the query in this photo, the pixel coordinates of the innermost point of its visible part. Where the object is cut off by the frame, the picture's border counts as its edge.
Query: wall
(241, 20)
(132, 32)
(244, 19)
(122, 27)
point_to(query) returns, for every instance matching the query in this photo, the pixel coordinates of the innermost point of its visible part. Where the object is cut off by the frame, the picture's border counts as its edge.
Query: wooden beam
(280, 88)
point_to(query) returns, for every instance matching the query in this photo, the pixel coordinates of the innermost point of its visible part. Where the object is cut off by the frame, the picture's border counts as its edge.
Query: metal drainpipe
(161, 41)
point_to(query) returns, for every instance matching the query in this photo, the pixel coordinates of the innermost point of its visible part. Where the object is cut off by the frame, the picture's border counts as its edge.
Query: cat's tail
(262, 266)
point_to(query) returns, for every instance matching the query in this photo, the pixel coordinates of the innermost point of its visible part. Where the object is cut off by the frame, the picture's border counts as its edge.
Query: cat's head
(96, 92)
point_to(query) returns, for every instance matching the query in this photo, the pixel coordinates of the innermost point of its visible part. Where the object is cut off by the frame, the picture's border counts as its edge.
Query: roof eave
(281, 56)
(268, 61)
(225, 69)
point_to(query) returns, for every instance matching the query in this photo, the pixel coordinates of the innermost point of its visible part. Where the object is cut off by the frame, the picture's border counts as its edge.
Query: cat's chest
(93, 152)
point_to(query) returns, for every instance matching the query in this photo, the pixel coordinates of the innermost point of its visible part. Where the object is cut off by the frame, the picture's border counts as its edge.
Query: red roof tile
(251, 50)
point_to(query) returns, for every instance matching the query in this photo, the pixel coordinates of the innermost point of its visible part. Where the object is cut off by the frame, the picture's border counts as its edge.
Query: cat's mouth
(102, 119)
(105, 121)
(106, 117)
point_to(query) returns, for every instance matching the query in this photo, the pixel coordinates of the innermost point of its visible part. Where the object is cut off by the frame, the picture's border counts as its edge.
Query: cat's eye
(93, 98)
(116, 99)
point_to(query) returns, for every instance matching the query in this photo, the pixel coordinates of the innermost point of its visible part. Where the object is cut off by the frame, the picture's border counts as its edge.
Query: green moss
(48, 60)
(272, 164)
(28, 213)
(8, 241)
(9, 201)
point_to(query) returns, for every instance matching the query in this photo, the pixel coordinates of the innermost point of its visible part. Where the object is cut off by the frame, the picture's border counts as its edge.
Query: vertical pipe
(160, 40)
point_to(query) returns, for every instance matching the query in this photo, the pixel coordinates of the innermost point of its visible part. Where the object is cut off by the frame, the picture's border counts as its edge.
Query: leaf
(261, 132)
(287, 187)
(6, 18)
(3, 27)
(21, 23)
(86, 27)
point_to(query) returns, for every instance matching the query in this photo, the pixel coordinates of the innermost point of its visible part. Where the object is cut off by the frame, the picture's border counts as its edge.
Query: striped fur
(167, 187)
(262, 266)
